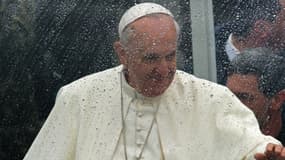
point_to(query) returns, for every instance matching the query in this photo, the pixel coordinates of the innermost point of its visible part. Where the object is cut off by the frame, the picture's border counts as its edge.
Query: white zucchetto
(140, 10)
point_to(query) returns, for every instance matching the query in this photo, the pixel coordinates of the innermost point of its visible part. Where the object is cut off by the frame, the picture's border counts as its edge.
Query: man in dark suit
(254, 24)
(257, 78)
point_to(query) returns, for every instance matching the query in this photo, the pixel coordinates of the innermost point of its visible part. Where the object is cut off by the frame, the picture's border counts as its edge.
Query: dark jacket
(222, 60)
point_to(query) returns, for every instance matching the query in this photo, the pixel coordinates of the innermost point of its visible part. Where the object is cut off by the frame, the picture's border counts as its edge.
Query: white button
(139, 129)
(138, 153)
(140, 114)
(139, 142)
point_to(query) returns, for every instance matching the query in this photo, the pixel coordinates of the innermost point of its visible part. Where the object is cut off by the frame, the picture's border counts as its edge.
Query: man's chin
(153, 92)
(155, 88)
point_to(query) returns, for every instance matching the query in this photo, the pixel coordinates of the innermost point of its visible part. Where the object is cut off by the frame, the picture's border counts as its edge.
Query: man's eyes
(150, 58)
(155, 57)
(245, 97)
(170, 57)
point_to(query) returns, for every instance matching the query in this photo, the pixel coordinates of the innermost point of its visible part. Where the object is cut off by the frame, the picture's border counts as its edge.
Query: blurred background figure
(253, 23)
(257, 78)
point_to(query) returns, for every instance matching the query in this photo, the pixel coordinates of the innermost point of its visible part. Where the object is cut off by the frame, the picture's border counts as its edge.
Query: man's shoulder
(184, 76)
(199, 84)
(98, 79)
(201, 92)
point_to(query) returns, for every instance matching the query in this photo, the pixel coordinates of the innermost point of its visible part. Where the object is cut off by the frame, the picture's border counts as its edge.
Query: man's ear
(282, 3)
(121, 52)
(278, 100)
(262, 28)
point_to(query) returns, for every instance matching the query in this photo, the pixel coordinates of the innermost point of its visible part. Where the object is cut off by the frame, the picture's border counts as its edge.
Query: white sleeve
(238, 125)
(260, 149)
(57, 138)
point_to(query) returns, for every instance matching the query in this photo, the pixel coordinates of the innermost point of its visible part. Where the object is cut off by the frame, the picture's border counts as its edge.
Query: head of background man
(277, 38)
(147, 48)
(257, 78)
(259, 23)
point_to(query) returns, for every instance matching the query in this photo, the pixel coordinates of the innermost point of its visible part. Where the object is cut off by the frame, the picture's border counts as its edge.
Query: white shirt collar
(231, 50)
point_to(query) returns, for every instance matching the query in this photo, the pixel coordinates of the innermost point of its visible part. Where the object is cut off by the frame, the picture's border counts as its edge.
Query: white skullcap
(138, 11)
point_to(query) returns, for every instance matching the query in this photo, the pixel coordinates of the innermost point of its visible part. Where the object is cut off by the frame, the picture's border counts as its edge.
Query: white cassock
(193, 119)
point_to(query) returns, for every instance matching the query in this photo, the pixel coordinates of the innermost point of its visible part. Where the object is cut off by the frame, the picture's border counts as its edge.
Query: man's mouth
(159, 78)
(156, 80)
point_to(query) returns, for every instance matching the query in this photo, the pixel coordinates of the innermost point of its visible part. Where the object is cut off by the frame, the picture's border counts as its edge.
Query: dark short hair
(266, 65)
(247, 12)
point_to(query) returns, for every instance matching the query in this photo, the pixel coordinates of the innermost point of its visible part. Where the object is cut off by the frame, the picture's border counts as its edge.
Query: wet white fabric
(197, 119)
(141, 130)
(231, 50)
(139, 119)
(138, 11)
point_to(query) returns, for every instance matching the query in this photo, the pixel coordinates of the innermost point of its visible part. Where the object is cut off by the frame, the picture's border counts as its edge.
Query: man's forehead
(245, 81)
(158, 22)
(245, 76)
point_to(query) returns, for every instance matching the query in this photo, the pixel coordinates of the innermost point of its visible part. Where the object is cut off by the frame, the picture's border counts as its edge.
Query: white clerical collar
(231, 50)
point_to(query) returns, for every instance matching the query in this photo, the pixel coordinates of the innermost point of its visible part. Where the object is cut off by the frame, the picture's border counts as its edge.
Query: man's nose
(163, 68)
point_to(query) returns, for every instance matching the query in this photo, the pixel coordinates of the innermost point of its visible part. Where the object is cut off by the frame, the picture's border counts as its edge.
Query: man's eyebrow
(151, 55)
(171, 53)
(140, 49)
(154, 54)
(244, 95)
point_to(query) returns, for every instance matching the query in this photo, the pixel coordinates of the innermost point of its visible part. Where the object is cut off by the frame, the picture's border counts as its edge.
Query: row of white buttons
(144, 114)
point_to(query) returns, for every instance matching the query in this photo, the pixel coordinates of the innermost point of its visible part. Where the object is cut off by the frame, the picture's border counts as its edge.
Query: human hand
(272, 152)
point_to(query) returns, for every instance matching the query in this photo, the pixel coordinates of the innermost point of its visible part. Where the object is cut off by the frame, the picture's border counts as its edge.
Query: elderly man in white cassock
(146, 109)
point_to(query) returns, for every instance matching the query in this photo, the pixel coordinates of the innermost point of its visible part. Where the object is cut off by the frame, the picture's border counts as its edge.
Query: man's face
(245, 87)
(151, 55)
(278, 32)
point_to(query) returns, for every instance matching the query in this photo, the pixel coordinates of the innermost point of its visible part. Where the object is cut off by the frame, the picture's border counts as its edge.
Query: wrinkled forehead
(242, 82)
(154, 30)
(156, 23)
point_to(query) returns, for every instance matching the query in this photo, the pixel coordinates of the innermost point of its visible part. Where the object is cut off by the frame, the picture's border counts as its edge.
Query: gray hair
(266, 65)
